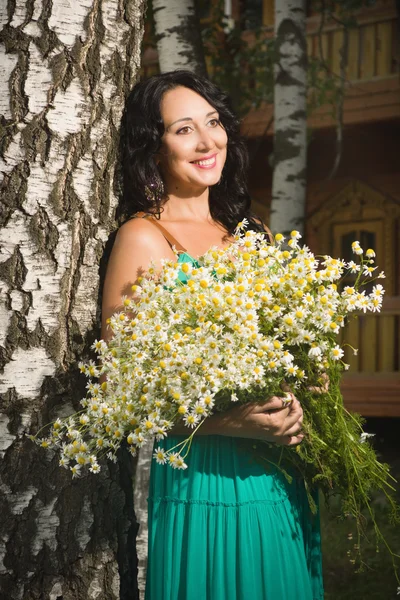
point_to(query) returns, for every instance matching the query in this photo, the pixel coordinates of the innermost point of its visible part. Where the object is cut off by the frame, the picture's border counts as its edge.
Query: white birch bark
(141, 493)
(290, 118)
(179, 43)
(66, 67)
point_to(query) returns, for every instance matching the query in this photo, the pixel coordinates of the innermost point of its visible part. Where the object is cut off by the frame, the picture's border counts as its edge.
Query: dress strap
(170, 238)
(269, 234)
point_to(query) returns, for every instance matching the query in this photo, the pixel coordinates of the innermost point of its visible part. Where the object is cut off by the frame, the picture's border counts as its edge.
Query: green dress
(228, 527)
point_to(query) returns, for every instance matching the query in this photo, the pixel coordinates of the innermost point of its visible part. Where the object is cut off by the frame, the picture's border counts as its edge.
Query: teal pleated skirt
(230, 528)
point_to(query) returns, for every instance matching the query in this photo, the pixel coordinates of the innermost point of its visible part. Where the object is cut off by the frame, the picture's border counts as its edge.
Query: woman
(228, 527)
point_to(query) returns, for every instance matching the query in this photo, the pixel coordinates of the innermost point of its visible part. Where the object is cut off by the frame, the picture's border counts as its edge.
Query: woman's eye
(184, 130)
(214, 122)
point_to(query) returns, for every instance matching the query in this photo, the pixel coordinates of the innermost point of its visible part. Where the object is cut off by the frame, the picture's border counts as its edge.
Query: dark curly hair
(229, 200)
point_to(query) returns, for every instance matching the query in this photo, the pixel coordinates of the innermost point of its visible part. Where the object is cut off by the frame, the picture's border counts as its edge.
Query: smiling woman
(226, 528)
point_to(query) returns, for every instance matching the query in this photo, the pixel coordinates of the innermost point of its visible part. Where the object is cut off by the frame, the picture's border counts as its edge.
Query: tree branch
(339, 107)
(261, 139)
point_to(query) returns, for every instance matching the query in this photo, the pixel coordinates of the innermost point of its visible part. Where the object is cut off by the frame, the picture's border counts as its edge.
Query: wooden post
(268, 13)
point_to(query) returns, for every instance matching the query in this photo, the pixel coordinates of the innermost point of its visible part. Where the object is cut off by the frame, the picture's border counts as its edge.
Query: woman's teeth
(205, 163)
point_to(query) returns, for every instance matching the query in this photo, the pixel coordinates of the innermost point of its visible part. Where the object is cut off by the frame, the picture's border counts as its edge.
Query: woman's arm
(136, 244)
(269, 421)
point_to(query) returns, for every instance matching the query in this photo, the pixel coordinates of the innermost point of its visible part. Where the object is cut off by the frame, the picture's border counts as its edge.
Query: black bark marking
(12, 190)
(58, 66)
(285, 146)
(34, 139)
(44, 234)
(13, 270)
(298, 115)
(288, 30)
(298, 177)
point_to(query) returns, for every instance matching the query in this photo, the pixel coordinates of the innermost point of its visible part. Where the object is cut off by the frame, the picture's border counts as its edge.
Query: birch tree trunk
(179, 42)
(65, 69)
(290, 117)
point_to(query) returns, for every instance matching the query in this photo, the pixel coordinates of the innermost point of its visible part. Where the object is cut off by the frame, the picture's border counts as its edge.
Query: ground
(377, 581)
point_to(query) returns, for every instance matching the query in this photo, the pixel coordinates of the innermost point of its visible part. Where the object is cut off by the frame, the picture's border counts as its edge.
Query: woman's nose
(205, 141)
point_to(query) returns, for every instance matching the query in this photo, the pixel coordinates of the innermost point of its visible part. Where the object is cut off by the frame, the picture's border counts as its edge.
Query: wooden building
(362, 200)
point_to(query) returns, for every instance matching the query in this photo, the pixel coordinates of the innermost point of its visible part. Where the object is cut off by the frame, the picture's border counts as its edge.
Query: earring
(155, 190)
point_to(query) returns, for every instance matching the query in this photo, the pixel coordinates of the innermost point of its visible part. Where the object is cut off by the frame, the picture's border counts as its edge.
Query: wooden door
(358, 212)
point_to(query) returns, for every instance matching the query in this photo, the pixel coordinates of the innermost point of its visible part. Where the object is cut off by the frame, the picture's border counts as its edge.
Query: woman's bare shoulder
(138, 228)
(138, 232)
(141, 238)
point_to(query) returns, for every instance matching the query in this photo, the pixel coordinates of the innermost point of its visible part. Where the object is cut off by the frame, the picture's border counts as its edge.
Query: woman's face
(193, 150)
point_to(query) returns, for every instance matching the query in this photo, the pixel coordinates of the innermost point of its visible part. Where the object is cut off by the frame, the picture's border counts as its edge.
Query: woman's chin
(194, 185)
(209, 179)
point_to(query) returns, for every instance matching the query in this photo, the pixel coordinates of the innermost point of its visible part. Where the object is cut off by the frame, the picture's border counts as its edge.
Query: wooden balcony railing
(377, 339)
(372, 48)
(372, 384)
(372, 85)
(372, 44)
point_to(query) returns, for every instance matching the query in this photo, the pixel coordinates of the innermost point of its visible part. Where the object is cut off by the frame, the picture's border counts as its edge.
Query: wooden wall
(364, 195)
(371, 153)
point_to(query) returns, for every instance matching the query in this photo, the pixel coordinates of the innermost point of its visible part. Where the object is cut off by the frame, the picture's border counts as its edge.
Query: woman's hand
(271, 421)
(323, 388)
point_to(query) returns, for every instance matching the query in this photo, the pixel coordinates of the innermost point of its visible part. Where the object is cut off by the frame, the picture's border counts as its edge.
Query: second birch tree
(290, 116)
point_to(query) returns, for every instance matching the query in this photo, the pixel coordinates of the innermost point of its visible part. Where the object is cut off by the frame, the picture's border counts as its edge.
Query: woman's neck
(187, 208)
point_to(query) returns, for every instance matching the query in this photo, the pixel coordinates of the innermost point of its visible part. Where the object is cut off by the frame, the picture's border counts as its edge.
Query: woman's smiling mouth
(206, 163)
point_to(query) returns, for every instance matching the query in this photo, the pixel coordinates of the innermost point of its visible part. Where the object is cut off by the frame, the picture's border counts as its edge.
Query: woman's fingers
(325, 379)
(295, 430)
(296, 413)
(289, 393)
(272, 404)
(294, 440)
(290, 440)
(286, 388)
(273, 421)
(323, 388)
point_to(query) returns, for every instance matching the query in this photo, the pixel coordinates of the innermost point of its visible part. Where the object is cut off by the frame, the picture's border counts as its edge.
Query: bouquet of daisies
(245, 319)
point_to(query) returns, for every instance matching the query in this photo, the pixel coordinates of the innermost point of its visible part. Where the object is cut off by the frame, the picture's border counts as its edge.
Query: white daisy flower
(291, 369)
(354, 268)
(368, 270)
(191, 420)
(375, 304)
(160, 455)
(364, 436)
(179, 463)
(337, 352)
(76, 471)
(241, 226)
(315, 352)
(355, 246)
(377, 291)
